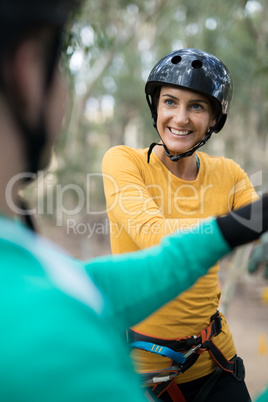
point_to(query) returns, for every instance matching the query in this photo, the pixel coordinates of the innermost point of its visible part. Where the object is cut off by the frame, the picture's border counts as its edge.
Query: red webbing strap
(158, 389)
(206, 335)
(171, 388)
(175, 393)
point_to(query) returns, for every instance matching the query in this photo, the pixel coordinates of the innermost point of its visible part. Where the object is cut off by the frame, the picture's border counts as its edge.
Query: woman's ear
(214, 117)
(25, 79)
(213, 121)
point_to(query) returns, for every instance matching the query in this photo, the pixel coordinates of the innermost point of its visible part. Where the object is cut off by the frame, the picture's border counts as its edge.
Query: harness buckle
(217, 322)
(160, 376)
(192, 351)
(239, 368)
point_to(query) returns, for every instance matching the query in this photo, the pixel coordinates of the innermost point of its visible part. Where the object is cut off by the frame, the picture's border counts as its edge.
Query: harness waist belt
(164, 379)
(192, 346)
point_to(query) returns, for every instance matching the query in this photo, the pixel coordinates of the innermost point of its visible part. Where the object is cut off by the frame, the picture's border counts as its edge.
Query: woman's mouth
(179, 133)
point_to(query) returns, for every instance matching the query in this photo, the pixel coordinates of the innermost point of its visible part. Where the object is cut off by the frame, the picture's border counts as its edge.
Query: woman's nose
(181, 116)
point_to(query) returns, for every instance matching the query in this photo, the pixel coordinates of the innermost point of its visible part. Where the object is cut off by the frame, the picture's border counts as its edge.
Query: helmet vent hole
(176, 59)
(197, 64)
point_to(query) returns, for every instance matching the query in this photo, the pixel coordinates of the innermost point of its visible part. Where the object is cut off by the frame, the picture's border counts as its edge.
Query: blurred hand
(259, 256)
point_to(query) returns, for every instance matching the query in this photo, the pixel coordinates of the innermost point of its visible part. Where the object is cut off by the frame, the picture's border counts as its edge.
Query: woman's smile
(179, 133)
(184, 118)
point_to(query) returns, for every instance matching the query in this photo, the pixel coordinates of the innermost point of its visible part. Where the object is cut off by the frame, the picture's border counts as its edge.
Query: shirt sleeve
(130, 204)
(139, 283)
(243, 191)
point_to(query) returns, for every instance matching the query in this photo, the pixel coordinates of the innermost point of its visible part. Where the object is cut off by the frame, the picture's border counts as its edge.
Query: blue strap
(159, 350)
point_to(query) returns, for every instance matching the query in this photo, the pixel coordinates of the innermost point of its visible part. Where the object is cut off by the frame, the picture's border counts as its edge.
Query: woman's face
(184, 118)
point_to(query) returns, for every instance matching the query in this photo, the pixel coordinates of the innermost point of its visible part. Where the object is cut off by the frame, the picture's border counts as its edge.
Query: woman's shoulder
(124, 152)
(218, 161)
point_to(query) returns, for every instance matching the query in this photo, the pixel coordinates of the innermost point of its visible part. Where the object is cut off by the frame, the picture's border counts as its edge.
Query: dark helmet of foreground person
(19, 18)
(196, 71)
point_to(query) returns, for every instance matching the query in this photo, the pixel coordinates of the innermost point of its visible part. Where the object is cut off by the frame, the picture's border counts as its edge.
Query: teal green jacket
(263, 397)
(62, 321)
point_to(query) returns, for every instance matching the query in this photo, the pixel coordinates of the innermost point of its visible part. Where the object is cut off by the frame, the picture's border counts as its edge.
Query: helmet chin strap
(176, 158)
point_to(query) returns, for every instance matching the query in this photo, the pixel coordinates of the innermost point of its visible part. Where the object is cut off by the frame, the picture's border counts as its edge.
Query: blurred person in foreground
(62, 321)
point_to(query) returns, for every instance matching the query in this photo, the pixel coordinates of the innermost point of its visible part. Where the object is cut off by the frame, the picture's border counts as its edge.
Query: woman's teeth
(179, 132)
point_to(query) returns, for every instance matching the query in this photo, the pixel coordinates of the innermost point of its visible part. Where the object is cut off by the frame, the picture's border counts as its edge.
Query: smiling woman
(184, 119)
(171, 186)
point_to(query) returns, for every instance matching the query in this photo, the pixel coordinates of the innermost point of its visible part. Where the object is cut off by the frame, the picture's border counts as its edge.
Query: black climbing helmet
(18, 18)
(195, 70)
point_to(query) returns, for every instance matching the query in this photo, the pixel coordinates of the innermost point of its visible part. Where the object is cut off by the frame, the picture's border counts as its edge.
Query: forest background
(113, 46)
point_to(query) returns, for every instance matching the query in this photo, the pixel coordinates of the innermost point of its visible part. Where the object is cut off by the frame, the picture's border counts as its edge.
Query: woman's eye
(196, 106)
(169, 102)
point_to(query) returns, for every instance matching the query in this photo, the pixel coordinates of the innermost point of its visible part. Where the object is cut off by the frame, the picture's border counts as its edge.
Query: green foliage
(114, 45)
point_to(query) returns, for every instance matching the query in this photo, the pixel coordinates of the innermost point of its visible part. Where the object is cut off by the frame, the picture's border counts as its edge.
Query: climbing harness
(183, 353)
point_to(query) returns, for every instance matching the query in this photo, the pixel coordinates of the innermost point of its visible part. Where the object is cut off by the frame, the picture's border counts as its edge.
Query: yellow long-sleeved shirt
(144, 203)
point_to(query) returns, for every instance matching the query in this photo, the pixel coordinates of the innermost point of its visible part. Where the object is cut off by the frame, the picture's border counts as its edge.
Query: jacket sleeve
(139, 283)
